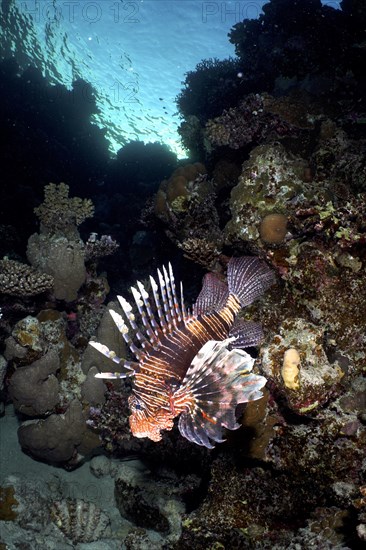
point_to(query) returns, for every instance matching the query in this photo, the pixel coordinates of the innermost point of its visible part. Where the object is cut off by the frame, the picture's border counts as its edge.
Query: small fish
(185, 365)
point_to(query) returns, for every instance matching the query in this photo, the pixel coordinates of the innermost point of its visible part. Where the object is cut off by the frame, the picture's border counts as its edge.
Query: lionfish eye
(138, 406)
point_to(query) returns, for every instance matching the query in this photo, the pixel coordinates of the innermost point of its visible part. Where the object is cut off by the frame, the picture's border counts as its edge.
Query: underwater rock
(61, 438)
(24, 502)
(34, 389)
(62, 258)
(295, 360)
(80, 520)
(147, 501)
(248, 122)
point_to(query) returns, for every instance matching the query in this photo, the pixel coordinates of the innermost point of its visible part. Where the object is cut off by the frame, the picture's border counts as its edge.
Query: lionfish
(191, 363)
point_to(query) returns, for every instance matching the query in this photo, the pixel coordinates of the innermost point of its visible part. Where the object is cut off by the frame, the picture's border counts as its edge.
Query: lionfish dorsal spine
(123, 329)
(182, 306)
(159, 308)
(175, 304)
(152, 327)
(175, 314)
(164, 296)
(110, 354)
(143, 314)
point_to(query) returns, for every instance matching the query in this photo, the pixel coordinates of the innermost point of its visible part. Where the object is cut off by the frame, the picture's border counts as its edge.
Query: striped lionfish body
(184, 362)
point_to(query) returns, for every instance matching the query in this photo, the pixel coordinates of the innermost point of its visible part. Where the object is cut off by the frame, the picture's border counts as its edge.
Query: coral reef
(247, 123)
(97, 248)
(47, 380)
(185, 205)
(278, 170)
(270, 181)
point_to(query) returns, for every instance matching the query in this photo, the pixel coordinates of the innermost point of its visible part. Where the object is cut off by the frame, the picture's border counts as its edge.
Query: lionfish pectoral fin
(215, 383)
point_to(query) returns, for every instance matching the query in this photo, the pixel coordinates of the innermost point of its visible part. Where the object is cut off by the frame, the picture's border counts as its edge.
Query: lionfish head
(146, 423)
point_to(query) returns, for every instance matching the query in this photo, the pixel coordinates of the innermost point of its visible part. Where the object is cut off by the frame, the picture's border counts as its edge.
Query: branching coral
(58, 211)
(17, 279)
(97, 248)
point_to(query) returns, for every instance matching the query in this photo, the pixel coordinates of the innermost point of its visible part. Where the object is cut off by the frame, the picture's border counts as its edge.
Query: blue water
(135, 53)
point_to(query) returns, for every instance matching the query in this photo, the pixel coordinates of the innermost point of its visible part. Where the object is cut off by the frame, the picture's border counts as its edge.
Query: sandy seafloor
(48, 480)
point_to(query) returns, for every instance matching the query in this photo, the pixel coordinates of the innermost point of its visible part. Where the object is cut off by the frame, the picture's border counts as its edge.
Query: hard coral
(290, 369)
(17, 279)
(59, 438)
(176, 191)
(58, 211)
(58, 249)
(273, 228)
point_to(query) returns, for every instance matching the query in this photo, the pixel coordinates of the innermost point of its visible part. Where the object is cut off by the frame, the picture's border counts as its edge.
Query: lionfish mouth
(143, 424)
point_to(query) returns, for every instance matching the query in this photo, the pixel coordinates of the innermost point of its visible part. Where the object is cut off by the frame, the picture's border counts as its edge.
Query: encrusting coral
(296, 362)
(273, 228)
(290, 369)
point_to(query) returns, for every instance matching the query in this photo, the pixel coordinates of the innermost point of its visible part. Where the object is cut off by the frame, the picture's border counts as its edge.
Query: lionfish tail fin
(215, 383)
(248, 278)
